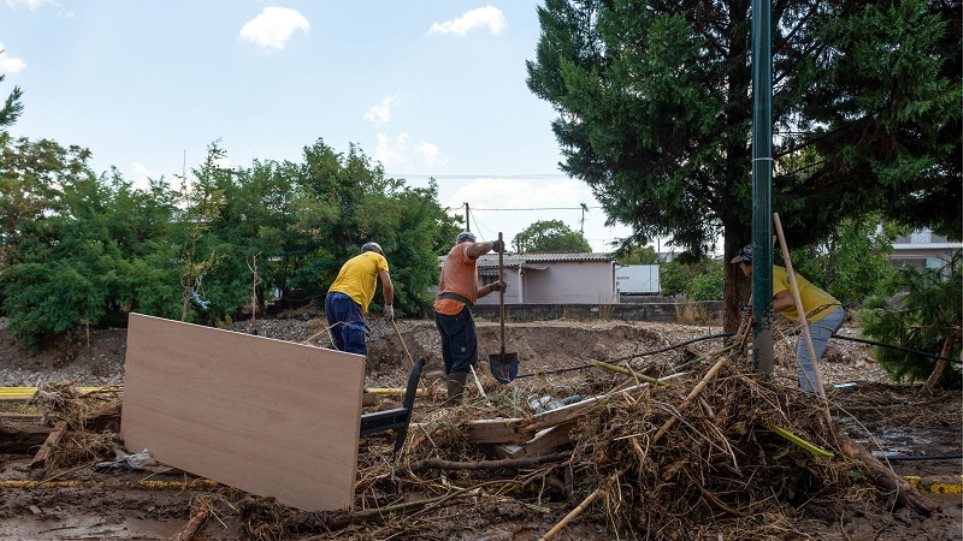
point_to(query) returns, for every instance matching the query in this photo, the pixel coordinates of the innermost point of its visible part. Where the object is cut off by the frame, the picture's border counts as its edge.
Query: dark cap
(463, 236)
(744, 255)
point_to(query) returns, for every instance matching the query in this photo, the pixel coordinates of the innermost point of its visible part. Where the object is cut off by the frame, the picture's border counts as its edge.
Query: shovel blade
(504, 366)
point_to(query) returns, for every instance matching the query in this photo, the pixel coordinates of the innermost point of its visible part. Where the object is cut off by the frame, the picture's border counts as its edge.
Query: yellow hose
(937, 485)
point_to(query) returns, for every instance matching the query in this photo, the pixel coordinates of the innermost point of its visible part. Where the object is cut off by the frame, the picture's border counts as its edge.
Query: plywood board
(269, 417)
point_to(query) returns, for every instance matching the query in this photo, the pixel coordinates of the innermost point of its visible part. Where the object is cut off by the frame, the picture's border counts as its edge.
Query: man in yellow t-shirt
(824, 314)
(346, 304)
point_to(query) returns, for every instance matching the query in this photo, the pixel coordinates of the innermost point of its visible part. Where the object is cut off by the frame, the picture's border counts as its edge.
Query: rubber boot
(456, 387)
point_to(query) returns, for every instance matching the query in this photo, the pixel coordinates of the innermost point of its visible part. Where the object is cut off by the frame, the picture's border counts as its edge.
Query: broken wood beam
(53, 440)
(886, 479)
(194, 525)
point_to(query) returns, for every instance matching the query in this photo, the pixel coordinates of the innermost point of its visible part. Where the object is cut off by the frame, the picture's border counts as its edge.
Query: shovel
(504, 366)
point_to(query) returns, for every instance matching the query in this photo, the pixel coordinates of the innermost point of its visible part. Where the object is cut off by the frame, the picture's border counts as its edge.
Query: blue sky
(427, 88)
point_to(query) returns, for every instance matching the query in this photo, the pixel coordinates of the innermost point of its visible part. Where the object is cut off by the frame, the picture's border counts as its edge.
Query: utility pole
(762, 185)
(467, 222)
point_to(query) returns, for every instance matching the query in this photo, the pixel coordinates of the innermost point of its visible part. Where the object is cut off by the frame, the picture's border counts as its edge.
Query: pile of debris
(717, 450)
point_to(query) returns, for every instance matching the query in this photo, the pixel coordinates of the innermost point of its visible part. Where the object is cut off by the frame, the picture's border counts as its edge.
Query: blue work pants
(346, 323)
(459, 343)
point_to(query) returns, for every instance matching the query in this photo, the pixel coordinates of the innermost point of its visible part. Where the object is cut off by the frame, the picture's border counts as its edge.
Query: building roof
(536, 261)
(514, 261)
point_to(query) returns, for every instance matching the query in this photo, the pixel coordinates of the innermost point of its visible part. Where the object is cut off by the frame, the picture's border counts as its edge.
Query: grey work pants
(820, 332)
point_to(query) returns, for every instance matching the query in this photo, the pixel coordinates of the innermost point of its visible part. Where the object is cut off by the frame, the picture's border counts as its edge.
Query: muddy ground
(892, 420)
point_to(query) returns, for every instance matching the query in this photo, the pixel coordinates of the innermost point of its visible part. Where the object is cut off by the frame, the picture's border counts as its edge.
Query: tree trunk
(934, 378)
(737, 286)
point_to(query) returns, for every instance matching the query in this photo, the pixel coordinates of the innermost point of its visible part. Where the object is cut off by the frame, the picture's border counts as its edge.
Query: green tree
(550, 236)
(699, 280)
(705, 284)
(852, 262)
(12, 107)
(99, 251)
(304, 219)
(631, 253)
(927, 316)
(655, 111)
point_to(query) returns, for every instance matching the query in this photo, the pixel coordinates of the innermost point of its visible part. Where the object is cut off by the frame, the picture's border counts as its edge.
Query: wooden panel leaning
(269, 417)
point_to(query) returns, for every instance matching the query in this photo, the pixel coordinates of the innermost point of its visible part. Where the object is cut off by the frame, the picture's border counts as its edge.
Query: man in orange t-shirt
(457, 292)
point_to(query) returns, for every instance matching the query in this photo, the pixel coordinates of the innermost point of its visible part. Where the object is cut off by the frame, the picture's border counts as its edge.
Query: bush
(927, 318)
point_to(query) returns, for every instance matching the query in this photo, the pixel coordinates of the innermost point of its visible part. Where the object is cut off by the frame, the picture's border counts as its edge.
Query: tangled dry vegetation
(697, 456)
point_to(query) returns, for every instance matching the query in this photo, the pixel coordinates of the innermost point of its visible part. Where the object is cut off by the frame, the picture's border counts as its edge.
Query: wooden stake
(803, 324)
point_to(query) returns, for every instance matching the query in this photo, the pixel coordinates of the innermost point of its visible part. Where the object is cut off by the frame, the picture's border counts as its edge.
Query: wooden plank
(53, 440)
(549, 440)
(269, 417)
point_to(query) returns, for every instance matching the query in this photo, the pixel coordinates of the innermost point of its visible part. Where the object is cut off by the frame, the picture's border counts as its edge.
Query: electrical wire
(900, 348)
(532, 209)
(519, 177)
(628, 357)
(716, 336)
(919, 458)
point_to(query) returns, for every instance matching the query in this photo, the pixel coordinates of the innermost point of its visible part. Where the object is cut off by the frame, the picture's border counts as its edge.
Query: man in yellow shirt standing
(346, 304)
(824, 314)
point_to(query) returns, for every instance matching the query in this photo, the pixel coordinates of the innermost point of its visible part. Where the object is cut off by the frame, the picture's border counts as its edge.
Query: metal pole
(762, 185)
(467, 222)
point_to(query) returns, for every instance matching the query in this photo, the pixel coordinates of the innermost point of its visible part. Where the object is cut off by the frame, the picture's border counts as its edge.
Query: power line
(531, 209)
(518, 177)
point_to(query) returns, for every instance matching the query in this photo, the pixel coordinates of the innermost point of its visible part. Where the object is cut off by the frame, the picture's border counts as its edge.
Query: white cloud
(9, 64)
(391, 152)
(489, 16)
(272, 28)
(396, 151)
(139, 174)
(380, 113)
(429, 153)
(34, 5)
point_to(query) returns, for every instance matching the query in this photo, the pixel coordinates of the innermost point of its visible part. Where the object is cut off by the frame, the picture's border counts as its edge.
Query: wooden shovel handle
(501, 290)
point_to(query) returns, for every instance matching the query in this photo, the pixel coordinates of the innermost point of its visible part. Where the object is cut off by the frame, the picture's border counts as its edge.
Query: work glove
(389, 313)
(498, 246)
(499, 286)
